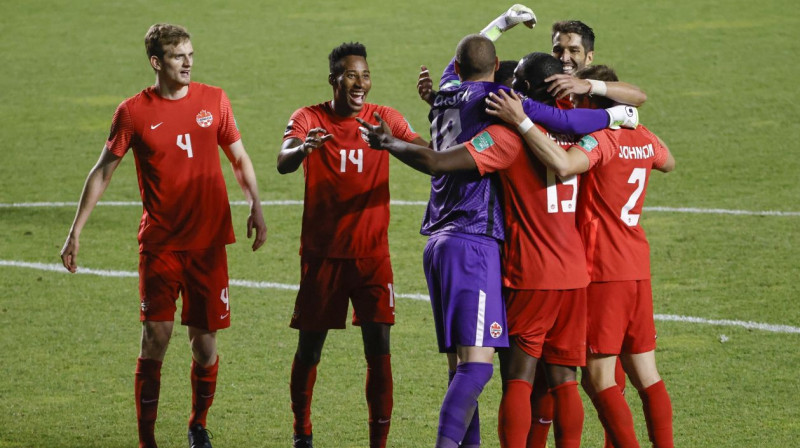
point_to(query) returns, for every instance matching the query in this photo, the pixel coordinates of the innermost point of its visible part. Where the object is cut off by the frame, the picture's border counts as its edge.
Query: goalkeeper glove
(623, 116)
(507, 20)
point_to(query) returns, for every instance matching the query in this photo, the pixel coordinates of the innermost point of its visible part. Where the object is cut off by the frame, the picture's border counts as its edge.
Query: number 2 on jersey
(185, 143)
(638, 176)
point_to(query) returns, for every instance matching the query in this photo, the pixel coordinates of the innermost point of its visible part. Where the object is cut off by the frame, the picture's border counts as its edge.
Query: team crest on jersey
(204, 118)
(588, 143)
(496, 330)
(482, 141)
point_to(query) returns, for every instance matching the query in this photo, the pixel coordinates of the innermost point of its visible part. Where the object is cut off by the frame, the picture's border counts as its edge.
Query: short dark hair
(342, 51)
(600, 73)
(161, 35)
(576, 27)
(476, 56)
(505, 72)
(535, 68)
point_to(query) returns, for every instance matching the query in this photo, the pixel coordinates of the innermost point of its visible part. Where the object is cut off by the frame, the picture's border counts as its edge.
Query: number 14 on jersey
(355, 156)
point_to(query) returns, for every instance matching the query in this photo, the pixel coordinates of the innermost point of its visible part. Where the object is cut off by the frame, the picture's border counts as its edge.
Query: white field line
(283, 286)
(712, 211)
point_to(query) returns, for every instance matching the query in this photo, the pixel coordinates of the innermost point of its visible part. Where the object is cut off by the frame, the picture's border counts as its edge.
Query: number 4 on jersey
(185, 143)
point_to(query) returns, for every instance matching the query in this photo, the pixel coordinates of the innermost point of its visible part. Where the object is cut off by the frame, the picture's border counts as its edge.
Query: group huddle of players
(535, 248)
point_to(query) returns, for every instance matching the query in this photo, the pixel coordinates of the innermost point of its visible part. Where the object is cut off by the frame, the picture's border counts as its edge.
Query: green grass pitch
(721, 78)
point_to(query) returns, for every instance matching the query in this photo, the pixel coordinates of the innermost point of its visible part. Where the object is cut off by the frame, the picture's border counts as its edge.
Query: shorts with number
(199, 277)
(549, 324)
(620, 317)
(465, 285)
(327, 285)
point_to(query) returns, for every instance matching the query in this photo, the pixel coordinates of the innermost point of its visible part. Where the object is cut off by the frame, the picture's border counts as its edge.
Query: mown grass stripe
(711, 211)
(773, 328)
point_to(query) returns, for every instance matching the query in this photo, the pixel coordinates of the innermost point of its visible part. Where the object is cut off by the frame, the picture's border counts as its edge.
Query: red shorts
(549, 324)
(328, 284)
(620, 317)
(200, 277)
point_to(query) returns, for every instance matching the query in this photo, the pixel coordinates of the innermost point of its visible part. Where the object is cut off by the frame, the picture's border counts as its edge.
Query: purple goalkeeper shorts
(465, 285)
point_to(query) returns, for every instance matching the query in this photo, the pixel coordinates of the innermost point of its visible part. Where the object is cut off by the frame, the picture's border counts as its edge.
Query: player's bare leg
(568, 409)
(517, 369)
(301, 384)
(657, 406)
(379, 385)
(147, 384)
(600, 383)
(155, 339)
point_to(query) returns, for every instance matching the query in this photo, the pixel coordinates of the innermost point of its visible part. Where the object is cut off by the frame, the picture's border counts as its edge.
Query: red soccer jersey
(346, 202)
(612, 195)
(175, 143)
(565, 103)
(543, 249)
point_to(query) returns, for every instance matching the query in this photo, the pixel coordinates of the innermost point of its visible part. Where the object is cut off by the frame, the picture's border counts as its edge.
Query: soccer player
(175, 128)
(573, 45)
(620, 303)
(344, 245)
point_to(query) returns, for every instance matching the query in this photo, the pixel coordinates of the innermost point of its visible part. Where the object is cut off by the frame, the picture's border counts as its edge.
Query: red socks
(379, 391)
(619, 378)
(616, 417)
(147, 384)
(301, 388)
(541, 412)
(514, 419)
(658, 414)
(568, 415)
(204, 384)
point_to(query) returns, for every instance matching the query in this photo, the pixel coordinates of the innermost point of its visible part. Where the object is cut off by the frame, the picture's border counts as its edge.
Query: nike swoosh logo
(206, 396)
(149, 401)
(383, 421)
(545, 422)
(224, 316)
(153, 126)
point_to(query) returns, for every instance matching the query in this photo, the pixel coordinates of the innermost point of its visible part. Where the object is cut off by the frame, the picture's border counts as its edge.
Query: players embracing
(620, 322)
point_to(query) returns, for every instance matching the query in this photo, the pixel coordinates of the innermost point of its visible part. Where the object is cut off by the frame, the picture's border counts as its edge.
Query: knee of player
(558, 374)
(645, 379)
(308, 357)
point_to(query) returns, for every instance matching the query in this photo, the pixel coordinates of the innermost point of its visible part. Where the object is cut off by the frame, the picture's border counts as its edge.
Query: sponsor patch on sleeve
(482, 141)
(588, 143)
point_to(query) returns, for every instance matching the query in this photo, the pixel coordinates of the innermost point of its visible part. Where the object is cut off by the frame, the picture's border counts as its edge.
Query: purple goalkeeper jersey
(469, 202)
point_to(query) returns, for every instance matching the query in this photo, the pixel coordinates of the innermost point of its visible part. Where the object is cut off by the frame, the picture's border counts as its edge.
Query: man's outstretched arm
(421, 158)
